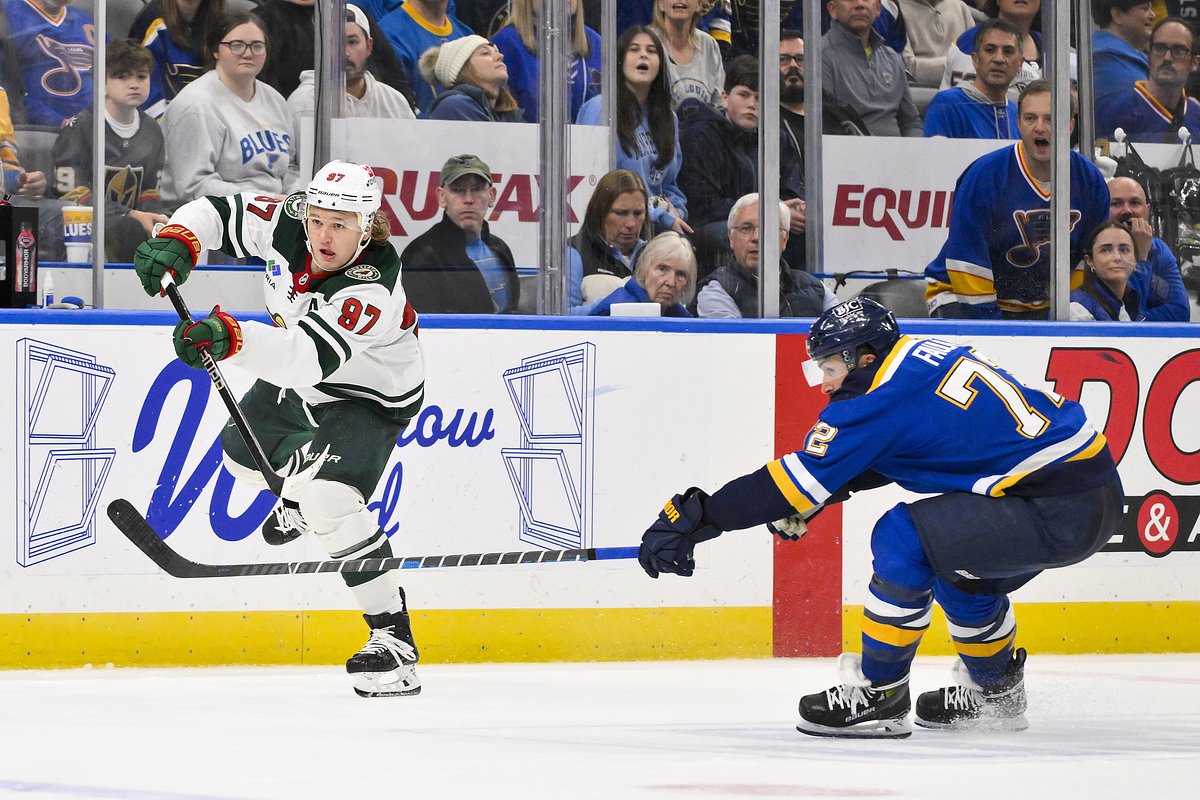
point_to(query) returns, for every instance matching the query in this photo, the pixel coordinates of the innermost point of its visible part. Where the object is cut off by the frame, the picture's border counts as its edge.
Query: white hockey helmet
(345, 186)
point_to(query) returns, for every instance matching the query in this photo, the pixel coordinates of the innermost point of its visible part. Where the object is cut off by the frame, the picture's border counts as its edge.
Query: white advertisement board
(409, 154)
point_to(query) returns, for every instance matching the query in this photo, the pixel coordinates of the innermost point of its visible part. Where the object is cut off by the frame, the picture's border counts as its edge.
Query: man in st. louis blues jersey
(1153, 110)
(51, 42)
(996, 259)
(340, 371)
(1021, 482)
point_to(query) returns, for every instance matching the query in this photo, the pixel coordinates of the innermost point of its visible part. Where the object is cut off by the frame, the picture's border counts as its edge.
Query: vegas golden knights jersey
(131, 164)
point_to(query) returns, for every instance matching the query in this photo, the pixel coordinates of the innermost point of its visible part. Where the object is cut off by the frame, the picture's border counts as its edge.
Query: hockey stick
(131, 523)
(274, 480)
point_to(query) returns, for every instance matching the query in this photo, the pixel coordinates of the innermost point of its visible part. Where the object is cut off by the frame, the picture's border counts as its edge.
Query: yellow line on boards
(329, 637)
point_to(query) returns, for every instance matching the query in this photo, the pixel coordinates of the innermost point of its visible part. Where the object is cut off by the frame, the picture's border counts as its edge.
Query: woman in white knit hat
(474, 79)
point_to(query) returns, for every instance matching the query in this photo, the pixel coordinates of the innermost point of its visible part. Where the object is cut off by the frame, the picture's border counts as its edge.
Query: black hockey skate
(285, 524)
(386, 664)
(969, 706)
(857, 708)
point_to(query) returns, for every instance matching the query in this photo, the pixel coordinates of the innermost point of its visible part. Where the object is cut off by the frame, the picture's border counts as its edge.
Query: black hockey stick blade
(135, 527)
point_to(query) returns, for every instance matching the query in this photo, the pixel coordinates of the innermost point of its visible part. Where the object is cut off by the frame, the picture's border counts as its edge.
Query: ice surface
(1100, 727)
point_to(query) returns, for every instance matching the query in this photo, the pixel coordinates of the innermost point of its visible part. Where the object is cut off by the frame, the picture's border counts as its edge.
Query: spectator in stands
(932, 26)
(174, 32)
(228, 132)
(1022, 13)
(714, 18)
(365, 96)
(50, 45)
(981, 109)
(695, 71)
(721, 154)
(741, 38)
(288, 21)
(475, 78)
(31, 185)
(647, 128)
(864, 73)
(1155, 109)
(996, 261)
(414, 28)
(133, 153)
(517, 41)
(1119, 46)
(616, 225)
(1157, 278)
(459, 266)
(731, 291)
(488, 17)
(837, 118)
(1105, 293)
(665, 274)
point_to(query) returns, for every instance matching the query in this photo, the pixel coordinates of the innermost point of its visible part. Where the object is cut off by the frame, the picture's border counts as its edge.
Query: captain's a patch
(363, 272)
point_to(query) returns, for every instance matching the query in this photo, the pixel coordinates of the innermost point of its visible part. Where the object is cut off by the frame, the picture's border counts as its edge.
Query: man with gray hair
(731, 291)
(866, 74)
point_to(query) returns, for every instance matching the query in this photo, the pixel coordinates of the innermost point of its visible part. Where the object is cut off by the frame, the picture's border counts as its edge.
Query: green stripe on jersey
(328, 357)
(401, 415)
(332, 332)
(226, 213)
(239, 228)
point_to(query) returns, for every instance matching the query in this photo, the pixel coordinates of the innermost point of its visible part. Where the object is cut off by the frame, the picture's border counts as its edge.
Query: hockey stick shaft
(274, 480)
(135, 527)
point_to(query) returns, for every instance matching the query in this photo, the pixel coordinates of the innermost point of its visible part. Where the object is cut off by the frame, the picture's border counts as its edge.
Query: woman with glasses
(227, 132)
(474, 79)
(174, 31)
(647, 128)
(695, 71)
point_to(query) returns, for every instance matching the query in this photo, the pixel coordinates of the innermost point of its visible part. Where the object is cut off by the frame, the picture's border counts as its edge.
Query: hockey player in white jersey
(340, 373)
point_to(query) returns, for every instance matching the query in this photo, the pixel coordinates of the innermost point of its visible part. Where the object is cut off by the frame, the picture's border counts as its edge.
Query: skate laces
(855, 689)
(382, 640)
(290, 519)
(962, 698)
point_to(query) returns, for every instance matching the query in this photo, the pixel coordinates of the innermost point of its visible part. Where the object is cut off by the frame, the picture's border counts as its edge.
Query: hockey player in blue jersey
(996, 259)
(1019, 480)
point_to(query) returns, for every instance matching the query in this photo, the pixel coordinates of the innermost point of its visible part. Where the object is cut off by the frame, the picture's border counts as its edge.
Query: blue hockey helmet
(847, 326)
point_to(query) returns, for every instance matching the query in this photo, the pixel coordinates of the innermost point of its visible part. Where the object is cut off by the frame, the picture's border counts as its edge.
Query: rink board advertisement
(531, 438)
(898, 217)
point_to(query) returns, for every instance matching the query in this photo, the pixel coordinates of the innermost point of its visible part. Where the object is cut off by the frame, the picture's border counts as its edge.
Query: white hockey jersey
(351, 335)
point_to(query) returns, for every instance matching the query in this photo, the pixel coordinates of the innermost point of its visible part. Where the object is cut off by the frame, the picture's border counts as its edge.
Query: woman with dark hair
(475, 81)
(647, 128)
(174, 31)
(1105, 295)
(615, 227)
(227, 132)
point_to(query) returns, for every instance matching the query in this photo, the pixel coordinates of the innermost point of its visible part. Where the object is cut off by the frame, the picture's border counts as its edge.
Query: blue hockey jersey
(997, 253)
(174, 66)
(54, 52)
(940, 417)
(1143, 118)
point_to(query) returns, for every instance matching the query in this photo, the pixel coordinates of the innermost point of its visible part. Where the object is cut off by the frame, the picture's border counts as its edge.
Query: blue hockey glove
(174, 250)
(218, 333)
(667, 545)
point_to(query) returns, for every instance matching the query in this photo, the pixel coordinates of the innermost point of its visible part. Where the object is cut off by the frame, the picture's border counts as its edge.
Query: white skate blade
(984, 724)
(399, 682)
(874, 729)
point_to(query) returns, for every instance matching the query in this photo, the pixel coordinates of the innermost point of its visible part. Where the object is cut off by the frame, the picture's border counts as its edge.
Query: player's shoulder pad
(293, 206)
